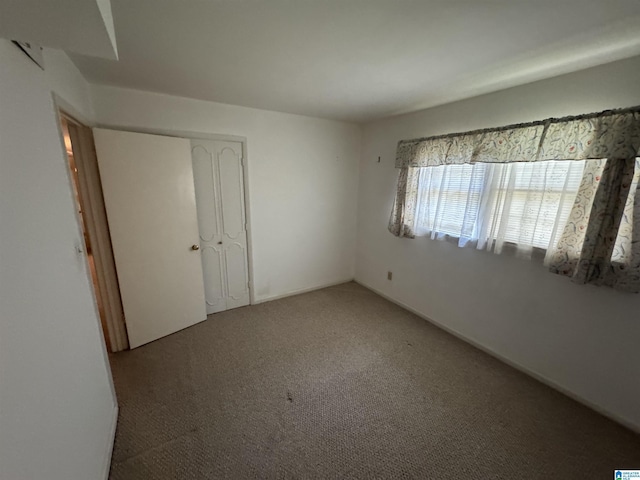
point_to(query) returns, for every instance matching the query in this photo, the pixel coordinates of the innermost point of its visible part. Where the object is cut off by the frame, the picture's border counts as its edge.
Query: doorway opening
(89, 202)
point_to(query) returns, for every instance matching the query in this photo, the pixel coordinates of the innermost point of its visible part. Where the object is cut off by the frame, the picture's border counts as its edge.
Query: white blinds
(449, 200)
(524, 204)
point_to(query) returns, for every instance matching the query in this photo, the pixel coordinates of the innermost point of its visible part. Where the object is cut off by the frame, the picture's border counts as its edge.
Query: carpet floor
(341, 383)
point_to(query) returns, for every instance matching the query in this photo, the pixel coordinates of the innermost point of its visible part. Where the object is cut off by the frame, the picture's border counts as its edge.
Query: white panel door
(219, 183)
(149, 196)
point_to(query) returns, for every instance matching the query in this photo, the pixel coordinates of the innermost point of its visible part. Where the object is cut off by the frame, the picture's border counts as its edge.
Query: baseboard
(541, 378)
(301, 291)
(109, 447)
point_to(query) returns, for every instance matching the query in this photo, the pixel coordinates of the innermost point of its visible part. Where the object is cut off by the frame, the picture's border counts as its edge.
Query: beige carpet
(340, 383)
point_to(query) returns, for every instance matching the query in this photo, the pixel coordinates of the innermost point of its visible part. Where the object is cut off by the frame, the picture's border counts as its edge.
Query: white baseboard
(300, 291)
(109, 447)
(541, 378)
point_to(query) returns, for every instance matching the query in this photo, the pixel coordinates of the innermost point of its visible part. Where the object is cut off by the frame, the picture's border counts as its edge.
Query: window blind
(518, 203)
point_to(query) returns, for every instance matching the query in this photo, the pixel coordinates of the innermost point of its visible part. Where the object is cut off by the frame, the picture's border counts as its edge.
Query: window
(565, 189)
(498, 204)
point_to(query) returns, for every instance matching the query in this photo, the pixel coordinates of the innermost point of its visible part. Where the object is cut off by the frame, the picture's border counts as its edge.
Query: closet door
(147, 182)
(219, 184)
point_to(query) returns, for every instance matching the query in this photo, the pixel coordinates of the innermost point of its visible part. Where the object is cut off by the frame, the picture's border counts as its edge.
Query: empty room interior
(319, 239)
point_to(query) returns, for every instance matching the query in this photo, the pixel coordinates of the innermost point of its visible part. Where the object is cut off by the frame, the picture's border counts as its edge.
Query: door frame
(98, 231)
(245, 173)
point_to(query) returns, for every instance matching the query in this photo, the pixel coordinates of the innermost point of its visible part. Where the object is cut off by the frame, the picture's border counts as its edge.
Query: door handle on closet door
(220, 242)
(195, 247)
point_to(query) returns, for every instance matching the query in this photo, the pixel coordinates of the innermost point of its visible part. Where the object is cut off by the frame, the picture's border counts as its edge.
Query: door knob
(195, 247)
(219, 243)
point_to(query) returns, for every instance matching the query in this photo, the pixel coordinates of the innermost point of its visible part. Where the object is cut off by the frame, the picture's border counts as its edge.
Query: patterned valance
(609, 134)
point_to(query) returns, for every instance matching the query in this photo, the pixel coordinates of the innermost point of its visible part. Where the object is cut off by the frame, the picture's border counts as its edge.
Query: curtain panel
(600, 243)
(604, 135)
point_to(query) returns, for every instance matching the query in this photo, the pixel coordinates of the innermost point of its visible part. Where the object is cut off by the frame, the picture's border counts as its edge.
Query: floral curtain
(604, 135)
(600, 243)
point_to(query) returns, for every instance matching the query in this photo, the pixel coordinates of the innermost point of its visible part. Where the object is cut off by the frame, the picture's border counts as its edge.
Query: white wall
(584, 339)
(57, 407)
(303, 177)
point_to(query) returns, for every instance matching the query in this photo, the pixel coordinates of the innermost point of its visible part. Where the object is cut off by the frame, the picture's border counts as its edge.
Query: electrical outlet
(389, 275)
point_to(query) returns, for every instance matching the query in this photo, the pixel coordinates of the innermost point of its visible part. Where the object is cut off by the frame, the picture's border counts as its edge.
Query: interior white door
(148, 189)
(219, 184)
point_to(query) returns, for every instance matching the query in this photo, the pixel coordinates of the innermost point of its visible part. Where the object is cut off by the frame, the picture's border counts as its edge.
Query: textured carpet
(340, 383)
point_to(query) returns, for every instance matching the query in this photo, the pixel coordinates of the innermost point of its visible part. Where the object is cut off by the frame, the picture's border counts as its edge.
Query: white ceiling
(82, 26)
(357, 59)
